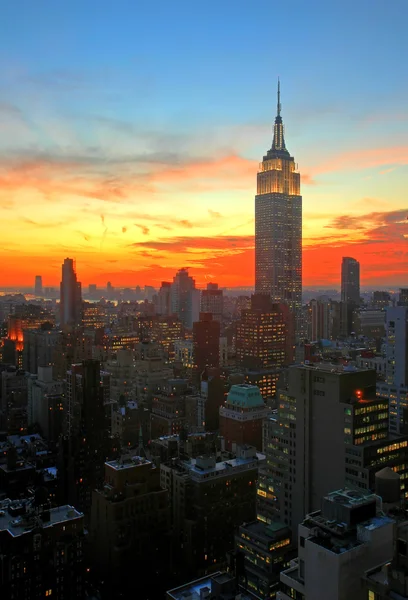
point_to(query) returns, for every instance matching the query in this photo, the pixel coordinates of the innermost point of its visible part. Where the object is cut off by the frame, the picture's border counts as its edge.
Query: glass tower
(278, 226)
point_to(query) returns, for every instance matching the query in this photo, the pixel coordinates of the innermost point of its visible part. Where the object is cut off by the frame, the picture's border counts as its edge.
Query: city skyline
(142, 160)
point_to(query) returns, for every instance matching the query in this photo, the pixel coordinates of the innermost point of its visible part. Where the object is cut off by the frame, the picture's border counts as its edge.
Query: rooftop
(128, 463)
(245, 396)
(205, 466)
(191, 591)
(266, 533)
(330, 368)
(19, 516)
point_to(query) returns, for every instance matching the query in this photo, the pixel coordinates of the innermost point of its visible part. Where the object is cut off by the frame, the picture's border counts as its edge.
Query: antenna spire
(279, 103)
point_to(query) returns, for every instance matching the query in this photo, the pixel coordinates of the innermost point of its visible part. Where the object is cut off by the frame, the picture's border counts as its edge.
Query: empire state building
(278, 226)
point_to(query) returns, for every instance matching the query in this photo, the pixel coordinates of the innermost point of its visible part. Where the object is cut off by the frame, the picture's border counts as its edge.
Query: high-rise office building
(262, 342)
(326, 411)
(185, 298)
(350, 292)
(38, 286)
(278, 226)
(70, 295)
(212, 301)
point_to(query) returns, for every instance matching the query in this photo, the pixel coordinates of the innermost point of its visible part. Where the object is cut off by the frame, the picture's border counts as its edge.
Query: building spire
(278, 145)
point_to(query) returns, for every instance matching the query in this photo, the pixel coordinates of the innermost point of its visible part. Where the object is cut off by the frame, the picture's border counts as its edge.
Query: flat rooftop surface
(18, 525)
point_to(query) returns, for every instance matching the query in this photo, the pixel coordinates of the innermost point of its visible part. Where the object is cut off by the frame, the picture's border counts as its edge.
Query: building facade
(278, 226)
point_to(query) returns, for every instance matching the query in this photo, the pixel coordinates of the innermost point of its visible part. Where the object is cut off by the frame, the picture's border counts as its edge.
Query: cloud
(357, 160)
(185, 223)
(145, 230)
(375, 226)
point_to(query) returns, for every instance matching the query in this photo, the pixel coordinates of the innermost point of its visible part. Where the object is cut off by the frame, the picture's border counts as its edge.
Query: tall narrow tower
(70, 295)
(278, 226)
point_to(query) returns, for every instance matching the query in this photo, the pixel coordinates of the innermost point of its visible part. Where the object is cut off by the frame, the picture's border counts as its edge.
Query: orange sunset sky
(139, 157)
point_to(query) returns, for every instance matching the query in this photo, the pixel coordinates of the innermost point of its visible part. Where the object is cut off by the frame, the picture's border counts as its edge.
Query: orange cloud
(364, 159)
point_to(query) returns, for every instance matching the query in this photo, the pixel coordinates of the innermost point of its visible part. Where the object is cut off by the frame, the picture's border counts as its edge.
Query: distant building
(403, 297)
(350, 292)
(242, 415)
(185, 298)
(336, 546)
(70, 295)
(94, 316)
(369, 322)
(212, 301)
(42, 551)
(38, 286)
(164, 307)
(320, 320)
(381, 299)
(92, 290)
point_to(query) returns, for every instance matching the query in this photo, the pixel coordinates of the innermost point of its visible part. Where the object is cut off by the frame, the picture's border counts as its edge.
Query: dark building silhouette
(85, 445)
(350, 292)
(130, 524)
(38, 286)
(41, 551)
(206, 341)
(212, 301)
(209, 500)
(70, 295)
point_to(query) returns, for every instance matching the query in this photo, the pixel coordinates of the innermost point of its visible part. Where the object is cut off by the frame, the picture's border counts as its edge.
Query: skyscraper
(38, 287)
(278, 226)
(185, 298)
(70, 295)
(331, 431)
(350, 292)
(350, 281)
(212, 301)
